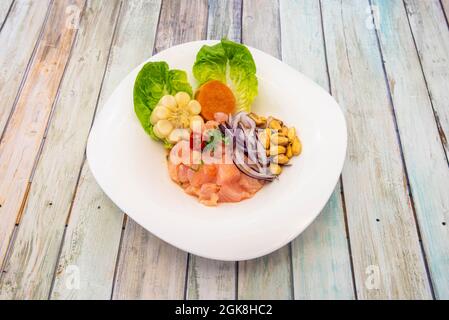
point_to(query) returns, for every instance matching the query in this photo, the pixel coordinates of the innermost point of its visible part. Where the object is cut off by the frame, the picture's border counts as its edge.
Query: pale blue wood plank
(321, 261)
(431, 34)
(211, 279)
(387, 257)
(268, 277)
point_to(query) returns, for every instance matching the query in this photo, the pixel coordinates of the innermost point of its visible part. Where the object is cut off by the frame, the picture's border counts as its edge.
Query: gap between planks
(49, 120)
(115, 9)
(5, 14)
(443, 137)
(114, 35)
(345, 63)
(209, 279)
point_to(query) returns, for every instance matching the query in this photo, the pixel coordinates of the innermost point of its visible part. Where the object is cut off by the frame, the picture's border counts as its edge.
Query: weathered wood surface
(431, 35)
(143, 256)
(417, 127)
(320, 255)
(33, 258)
(267, 277)
(23, 136)
(5, 6)
(387, 257)
(21, 30)
(94, 230)
(210, 279)
(390, 81)
(225, 20)
(149, 268)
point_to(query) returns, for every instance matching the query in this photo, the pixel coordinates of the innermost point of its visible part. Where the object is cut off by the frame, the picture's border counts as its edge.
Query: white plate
(131, 168)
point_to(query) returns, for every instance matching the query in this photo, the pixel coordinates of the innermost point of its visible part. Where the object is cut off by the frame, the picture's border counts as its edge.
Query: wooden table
(384, 232)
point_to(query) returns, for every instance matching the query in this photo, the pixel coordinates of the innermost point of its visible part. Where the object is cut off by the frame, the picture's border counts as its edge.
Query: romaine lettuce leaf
(230, 63)
(153, 82)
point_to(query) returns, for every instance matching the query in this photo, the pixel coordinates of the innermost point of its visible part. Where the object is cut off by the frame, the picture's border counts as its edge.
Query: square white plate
(131, 168)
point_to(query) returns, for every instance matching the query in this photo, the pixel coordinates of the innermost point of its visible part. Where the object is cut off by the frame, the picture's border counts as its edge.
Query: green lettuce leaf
(153, 82)
(232, 64)
(177, 81)
(210, 64)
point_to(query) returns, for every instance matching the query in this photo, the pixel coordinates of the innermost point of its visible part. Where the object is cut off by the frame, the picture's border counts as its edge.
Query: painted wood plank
(268, 277)
(320, 255)
(22, 139)
(445, 4)
(211, 279)
(225, 20)
(149, 268)
(387, 257)
(94, 230)
(426, 166)
(5, 5)
(163, 267)
(21, 30)
(431, 35)
(34, 255)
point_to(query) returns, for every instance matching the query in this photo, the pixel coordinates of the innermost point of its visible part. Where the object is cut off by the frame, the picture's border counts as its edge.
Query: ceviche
(218, 149)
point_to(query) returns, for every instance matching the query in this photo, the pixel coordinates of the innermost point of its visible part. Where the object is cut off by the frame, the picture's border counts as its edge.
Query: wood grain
(320, 255)
(431, 35)
(5, 5)
(268, 277)
(163, 267)
(180, 22)
(94, 230)
(34, 255)
(149, 268)
(417, 127)
(394, 97)
(388, 263)
(22, 139)
(21, 30)
(211, 279)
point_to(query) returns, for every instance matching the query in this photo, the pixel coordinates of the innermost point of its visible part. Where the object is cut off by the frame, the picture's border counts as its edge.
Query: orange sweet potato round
(214, 96)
